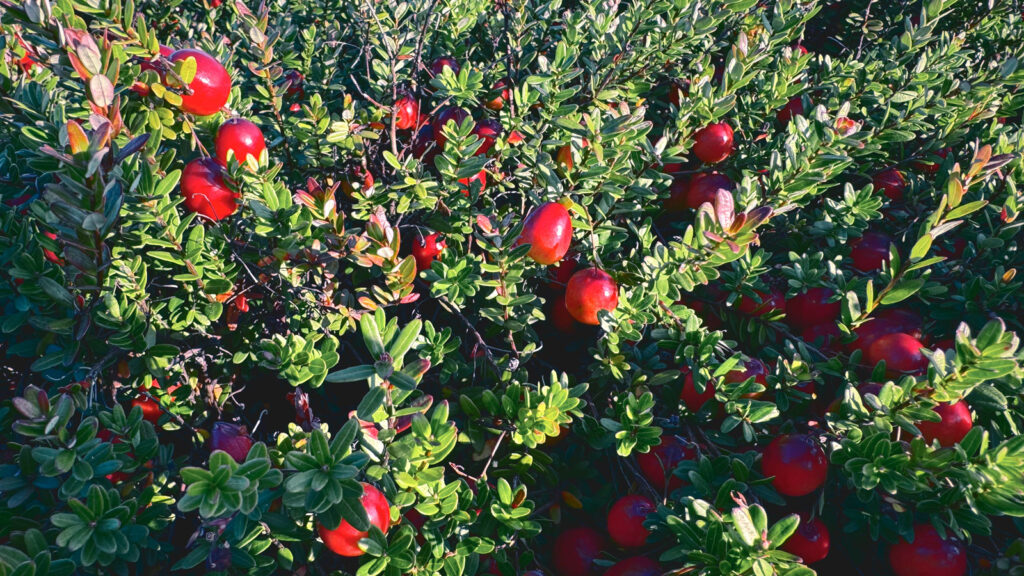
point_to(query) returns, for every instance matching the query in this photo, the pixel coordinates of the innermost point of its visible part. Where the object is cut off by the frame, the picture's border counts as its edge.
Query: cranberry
(626, 520)
(50, 255)
(955, 423)
(704, 187)
(449, 114)
(795, 107)
(357, 175)
(901, 353)
(487, 131)
(438, 66)
(241, 137)
(467, 183)
(658, 464)
(210, 87)
(798, 464)
(825, 334)
(888, 321)
(295, 82)
(812, 307)
(810, 541)
(693, 400)
(407, 112)
(423, 144)
(559, 316)
(426, 249)
(928, 555)
(932, 164)
(501, 94)
(676, 201)
(205, 192)
(870, 251)
(589, 291)
(150, 408)
(752, 368)
(635, 566)
(891, 182)
(231, 438)
(548, 231)
(344, 540)
(560, 273)
(576, 550)
(713, 143)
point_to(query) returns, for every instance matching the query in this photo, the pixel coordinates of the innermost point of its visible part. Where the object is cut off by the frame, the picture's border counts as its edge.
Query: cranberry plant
(511, 286)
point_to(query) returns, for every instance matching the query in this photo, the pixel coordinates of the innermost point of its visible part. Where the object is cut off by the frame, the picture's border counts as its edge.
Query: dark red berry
(210, 87)
(626, 520)
(928, 555)
(713, 143)
(797, 462)
(870, 251)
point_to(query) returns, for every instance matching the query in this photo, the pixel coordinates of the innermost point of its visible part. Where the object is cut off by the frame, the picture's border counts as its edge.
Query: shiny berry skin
(50, 255)
(150, 408)
(487, 130)
(713, 143)
(407, 112)
(870, 251)
(344, 540)
(231, 438)
(202, 185)
(810, 541)
(928, 555)
(626, 520)
(589, 291)
(769, 303)
(564, 157)
(576, 550)
(241, 137)
(901, 353)
(795, 107)
(548, 231)
(210, 87)
(801, 49)
(635, 566)
(467, 183)
(658, 464)
(693, 400)
(423, 145)
(704, 187)
(798, 464)
(812, 307)
(438, 66)
(559, 316)
(887, 321)
(955, 424)
(426, 249)
(890, 182)
(449, 114)
(501, 94)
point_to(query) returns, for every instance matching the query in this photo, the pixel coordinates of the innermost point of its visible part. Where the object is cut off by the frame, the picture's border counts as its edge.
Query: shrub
(789, 220)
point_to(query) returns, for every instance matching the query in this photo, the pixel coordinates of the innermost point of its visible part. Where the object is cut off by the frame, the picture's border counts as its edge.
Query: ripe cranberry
(713, 143)
(357, 175)
(423, 144)
(626, 520)
(752, 368)
(901, 353)
(150, 408)
(635, 566)
(449, 114)
(202, 185)
(768, 303)
(795, 107)
(467, 183)
(810, 541)
(559, 316)
(564, 157)
(240, 136)
(845, 126)
(797, 462)
(576, 550)
(955, 424)
(704, 187)
(231, 438)
(487, 130)
(693, 400)
(658, 464)
(560, 273)
(438, 66)
(812, 307)
(870, 251)
(825, 334)
(407, 112)
(888, 321)
(501, 94)
(143, 89)
(589, 291)
(931, 165)
(426, 249)
(295, 82)
(210, 87)
(50, 255)
(928, 555)
(344, 540)
(891, 182)
(548, 231)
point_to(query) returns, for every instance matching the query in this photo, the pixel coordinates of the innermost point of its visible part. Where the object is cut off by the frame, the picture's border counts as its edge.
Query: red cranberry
(928, 555)
(576, 550)
(426, 249)
(205, 192)
(798, 464)
(231, 438)
(449, 114)
(210, 87)
(487, 130)
(713, 143)
(438, 66)
(955, 423)
(704, 187)
(693, 400)
(870, 251)
(769, 303)
(501, 93)
(795, 107)
(810, 541)
(241, 137)
(932, 164)
(548, 231)
(891, 182)
(626, 520)
(658, 464)
(407, 112)
(588, 292)
(752, 368)
(812, 307)
(344, 540)
(901, 353)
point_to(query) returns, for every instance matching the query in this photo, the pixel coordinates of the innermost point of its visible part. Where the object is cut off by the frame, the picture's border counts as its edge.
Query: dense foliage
(289, 316)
